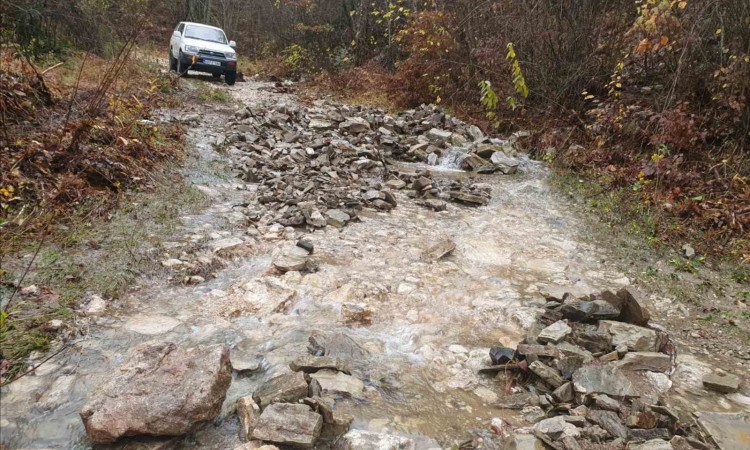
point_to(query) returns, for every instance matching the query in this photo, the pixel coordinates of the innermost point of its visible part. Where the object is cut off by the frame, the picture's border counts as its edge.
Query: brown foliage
(91, 141)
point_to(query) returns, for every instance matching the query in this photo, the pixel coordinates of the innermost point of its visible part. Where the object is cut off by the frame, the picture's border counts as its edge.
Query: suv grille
(210, 53)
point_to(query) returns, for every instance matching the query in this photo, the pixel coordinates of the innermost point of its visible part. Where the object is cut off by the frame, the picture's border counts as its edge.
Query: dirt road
(425, 325)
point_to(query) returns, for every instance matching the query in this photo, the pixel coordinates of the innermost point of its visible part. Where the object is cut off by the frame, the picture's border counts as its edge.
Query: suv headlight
(230, 55)
(191, 49)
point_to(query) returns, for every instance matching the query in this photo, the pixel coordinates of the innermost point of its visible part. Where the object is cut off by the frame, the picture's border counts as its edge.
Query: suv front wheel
(181, 69)
(230, 78)
(172, 62)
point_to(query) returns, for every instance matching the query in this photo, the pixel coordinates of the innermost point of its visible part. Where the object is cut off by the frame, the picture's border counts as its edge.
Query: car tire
(180, 68)
(230, 78)
(172, 62)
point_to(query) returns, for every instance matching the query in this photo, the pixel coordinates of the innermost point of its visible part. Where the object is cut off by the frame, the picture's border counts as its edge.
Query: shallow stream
(432, 323)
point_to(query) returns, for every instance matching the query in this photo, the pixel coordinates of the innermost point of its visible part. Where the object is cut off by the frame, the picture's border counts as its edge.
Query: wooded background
(657, 92)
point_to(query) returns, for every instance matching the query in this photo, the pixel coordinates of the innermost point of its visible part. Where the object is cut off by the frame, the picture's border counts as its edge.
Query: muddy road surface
(412, 293)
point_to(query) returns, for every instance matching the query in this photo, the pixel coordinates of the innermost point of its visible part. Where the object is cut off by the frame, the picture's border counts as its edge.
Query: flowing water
(432, 322)
(451, 159)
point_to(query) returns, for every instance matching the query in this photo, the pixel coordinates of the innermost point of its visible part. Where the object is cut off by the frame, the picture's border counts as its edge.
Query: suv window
(205, 34)
(181, 27)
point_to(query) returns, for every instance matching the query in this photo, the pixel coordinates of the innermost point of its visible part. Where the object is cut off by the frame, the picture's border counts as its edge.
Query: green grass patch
(214, 95)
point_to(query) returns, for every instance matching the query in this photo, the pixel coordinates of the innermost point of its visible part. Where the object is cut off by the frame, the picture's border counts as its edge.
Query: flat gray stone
(632, 310)
(637, 339)
(469, 199)
(580, 311)
(474, 133)
(288, 387)
(547, 373)
(475, 163)
(556, 428)
(486, 150)
(603, 380)
(564, 393)
(435, 204)
(366, 440)
(290, 264)
(316, 219)
(607, 403)
(224, 245)
(653, 444)
(320, 124)
(354, 125)
(338, 345)
(311, 364)
(289, 424)
(438, 136)
(332, 382)
(505, 163)
(646, 434)
(151, 325)
(610, 421)
(458, 140)
(726, 384)
(439, 250)
(592, 340)
(568, 365)
(337, 218)
(523, 442)
(533, 414)
(650, 361)
(554, 333)
(244, 357)
(729, 431)
(396, 184)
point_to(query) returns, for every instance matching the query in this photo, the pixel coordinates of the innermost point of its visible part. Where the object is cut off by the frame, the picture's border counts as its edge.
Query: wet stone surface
(433, 268)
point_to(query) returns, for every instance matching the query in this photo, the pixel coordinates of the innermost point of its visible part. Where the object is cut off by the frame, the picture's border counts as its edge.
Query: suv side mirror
(176, 33)
(232, 44)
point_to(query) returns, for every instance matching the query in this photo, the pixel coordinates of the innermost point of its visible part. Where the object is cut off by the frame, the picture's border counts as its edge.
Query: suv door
(174, 41)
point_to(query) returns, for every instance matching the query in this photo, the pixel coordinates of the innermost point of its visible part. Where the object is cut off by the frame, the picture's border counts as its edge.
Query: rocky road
(363, 280)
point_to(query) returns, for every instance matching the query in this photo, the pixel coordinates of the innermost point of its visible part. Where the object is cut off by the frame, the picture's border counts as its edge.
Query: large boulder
(160, 390)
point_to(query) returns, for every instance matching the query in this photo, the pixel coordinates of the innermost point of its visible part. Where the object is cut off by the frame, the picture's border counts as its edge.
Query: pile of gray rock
(300, 409)
(594, 373)
(162, 390)
(319, 166)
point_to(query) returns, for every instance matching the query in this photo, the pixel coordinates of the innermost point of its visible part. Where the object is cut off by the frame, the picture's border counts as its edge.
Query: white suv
(203, 48)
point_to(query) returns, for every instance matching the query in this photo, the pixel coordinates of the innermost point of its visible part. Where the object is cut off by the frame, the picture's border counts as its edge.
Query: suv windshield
(205, 34)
